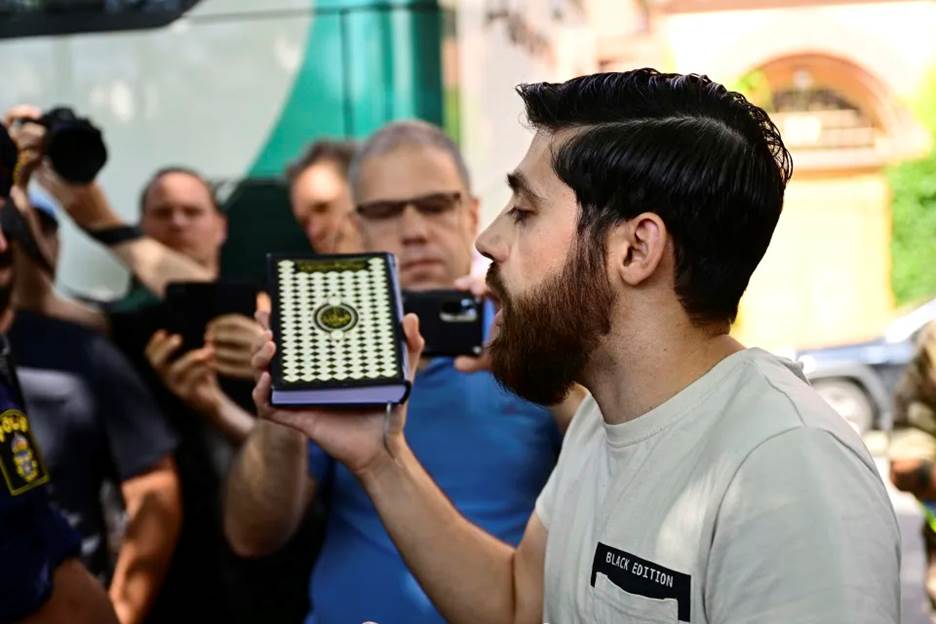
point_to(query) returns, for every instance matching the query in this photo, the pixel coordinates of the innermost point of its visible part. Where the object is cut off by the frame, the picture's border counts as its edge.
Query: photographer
(196, 584)
(97, 424)
(41, 581)
(178, 210)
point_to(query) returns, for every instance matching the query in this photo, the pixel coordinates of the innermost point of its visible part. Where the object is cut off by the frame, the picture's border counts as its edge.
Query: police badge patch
(20, 463)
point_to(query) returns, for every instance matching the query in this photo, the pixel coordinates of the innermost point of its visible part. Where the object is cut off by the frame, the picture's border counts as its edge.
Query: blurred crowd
(187, 507)
(187, 512)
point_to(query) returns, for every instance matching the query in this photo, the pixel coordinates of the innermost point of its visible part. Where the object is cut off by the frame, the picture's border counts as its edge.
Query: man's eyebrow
(519, 184)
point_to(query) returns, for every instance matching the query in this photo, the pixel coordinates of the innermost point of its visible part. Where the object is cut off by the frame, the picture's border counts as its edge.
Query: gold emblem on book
(332, 317)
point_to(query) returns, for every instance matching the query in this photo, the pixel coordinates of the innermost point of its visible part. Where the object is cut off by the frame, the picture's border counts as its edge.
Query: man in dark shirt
(98, 424)
(40, 578)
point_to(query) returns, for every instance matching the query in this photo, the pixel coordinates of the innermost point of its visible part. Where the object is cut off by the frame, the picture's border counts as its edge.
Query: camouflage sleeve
(927, 355)
(915, 395)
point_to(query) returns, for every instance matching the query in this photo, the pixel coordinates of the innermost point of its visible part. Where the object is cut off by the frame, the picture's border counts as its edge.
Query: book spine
(401, 335)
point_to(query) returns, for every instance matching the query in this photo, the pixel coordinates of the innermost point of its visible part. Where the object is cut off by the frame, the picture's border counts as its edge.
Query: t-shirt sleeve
(806, 534)
(138, 433)
(546, 499)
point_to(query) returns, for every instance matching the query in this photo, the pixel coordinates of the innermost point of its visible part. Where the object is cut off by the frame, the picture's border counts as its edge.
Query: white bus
(235, 89)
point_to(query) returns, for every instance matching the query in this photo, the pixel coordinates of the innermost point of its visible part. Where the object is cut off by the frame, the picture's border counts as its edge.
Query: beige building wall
(826, 276)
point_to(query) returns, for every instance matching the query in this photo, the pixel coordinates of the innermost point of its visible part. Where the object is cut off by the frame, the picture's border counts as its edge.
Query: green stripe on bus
(365, 63)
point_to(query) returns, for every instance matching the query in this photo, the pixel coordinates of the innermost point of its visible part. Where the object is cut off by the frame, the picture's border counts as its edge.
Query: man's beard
(546, 337)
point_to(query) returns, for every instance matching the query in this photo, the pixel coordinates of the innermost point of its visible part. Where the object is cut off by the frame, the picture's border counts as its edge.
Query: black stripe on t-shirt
(643, 578)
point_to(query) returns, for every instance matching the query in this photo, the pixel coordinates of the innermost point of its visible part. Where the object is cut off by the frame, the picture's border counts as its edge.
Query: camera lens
(74, 146)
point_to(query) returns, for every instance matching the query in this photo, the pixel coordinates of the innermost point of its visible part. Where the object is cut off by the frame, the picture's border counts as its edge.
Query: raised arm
(492, 581)
(268, 490)
(154, 264)
(193, 379)
(154, 518)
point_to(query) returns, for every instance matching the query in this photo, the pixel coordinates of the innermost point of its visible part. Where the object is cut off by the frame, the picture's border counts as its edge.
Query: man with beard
(490, 452)
(703, 482)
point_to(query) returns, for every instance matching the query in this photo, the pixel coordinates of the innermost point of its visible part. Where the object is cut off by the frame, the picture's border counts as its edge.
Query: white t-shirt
(744, 498)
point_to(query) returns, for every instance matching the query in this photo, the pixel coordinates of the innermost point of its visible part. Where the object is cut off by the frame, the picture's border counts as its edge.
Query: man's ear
(636, 248)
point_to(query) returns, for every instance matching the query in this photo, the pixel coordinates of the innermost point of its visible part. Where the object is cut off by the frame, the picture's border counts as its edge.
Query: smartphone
(451, 321)
(192, 305)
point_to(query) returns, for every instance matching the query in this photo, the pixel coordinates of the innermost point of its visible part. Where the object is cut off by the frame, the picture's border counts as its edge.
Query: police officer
(41, 579)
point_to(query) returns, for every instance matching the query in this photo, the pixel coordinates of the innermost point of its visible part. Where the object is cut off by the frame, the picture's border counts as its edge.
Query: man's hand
(466, 363)
(233, 339)
(562, 412)
(85, 204)
(29, 139)
(190, 377)
(361, 439)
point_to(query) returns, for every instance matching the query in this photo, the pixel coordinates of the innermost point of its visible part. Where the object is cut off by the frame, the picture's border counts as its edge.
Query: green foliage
(913, 207)
(913, 246)
(754, 86)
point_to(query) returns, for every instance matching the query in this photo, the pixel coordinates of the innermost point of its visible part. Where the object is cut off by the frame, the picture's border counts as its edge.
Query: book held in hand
(337, 326)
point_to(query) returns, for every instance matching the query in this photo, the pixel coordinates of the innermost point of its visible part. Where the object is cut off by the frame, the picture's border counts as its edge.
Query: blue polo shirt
(489, 451)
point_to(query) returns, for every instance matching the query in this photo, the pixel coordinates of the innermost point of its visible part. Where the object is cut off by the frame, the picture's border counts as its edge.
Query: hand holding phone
(191, 306)
(450, 321)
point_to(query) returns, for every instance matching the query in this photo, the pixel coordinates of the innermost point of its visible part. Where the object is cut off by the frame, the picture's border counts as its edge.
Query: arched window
(832, 113)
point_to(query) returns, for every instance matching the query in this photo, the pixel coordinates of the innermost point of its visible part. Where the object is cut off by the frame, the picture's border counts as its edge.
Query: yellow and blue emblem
(20, 463)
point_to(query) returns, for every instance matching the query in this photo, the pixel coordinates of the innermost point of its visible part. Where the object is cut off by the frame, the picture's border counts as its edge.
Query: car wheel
(849, 400)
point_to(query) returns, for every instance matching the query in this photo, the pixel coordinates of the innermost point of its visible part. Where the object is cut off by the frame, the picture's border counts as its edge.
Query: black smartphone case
(451, 321)
(192, 305)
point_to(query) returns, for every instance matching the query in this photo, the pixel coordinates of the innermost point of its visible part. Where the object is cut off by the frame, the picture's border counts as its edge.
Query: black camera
(74, 145)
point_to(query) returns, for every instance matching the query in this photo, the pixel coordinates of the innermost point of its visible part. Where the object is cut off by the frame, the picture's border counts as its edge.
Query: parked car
(858, 379)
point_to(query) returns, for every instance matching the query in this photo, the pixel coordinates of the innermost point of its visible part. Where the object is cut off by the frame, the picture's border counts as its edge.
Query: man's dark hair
(708, 162)
(161, 173)
(325, 150)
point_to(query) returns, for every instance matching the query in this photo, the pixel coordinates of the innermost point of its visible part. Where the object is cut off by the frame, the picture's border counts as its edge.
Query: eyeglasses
(431, 205)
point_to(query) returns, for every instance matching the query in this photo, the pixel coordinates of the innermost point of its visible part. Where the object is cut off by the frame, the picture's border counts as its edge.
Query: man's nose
(413, 225)
(490, 243)
(178, 219)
